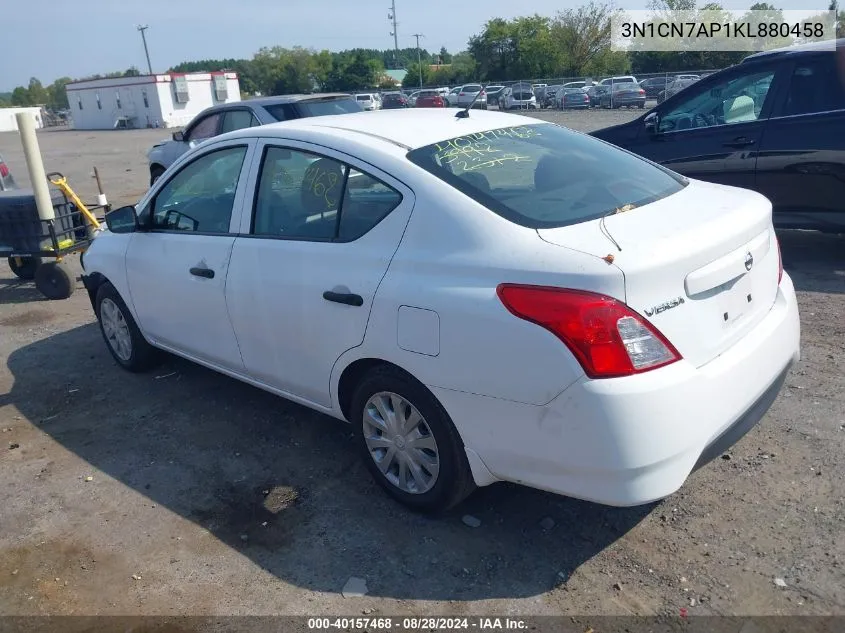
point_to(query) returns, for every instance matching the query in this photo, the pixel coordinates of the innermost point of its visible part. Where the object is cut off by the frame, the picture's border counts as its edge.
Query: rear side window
(304, 196)
(545, 176)
(237, 120)
(817, 85)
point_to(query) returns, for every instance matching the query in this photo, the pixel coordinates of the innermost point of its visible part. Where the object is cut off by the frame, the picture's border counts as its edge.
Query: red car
(430, 99)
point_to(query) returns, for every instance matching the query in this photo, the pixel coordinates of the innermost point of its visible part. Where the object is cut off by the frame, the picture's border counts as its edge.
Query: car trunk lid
(701, 265)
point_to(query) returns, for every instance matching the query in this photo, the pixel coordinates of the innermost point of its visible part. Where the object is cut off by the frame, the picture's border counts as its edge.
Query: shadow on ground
(815, 261)
(230, 457)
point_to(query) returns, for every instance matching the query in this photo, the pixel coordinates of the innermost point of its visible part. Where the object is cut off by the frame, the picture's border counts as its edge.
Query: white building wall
(9, 123)
(147, 101)
(201, 95)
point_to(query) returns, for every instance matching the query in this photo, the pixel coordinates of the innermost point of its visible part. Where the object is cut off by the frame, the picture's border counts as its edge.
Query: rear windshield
(522, 95)
(546, 176)
(363, 97)
(281, 112)
(471, 88)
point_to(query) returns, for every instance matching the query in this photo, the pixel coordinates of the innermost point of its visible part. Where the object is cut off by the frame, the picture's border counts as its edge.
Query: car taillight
(642, 92)
(607, 337)
(4, 171)
(780, 261)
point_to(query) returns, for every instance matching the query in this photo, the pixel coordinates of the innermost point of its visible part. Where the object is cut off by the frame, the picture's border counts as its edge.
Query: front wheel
(122, 335)
(408, 441)
(54, 280)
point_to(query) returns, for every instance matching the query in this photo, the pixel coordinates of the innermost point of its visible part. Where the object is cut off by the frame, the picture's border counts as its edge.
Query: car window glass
(737, 99)
(543, 175)
(366, 201)
(298, 195)
(204, 129)
(815, 86)
(201, 195)
(237, 120)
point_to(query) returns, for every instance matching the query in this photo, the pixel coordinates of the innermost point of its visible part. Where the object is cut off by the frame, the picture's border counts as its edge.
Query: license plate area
(736, 301)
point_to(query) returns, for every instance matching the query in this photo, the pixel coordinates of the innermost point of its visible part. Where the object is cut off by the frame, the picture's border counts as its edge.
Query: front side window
(201, 195)
(237, 120)
(305, 196)
(545, 176)
(204, 129)
(817, 85)
(738, 99)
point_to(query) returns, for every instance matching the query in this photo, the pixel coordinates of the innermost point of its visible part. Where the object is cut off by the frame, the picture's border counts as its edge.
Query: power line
(146, 50)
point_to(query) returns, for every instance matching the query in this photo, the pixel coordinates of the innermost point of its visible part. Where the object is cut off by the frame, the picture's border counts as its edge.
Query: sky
(75, 38)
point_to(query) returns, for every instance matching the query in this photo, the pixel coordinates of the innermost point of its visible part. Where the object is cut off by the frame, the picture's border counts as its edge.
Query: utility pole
(419, 59)
(395, 33)
(146, 50)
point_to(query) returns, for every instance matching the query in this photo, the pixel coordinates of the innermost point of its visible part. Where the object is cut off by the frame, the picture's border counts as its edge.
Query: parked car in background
(628, 95)
(695, 77)
(573, 98)
(6, 180)
(368, 100)
(299, 259)
(493, 94)
(412, 98)
(451, 99)
(394, 100)
(595, 93)
(430, 99)
(578, 84)
(518, 96)
(774, 123)
(674, 88)
(227, 117)
(471, 93)
(618, 80)
(548, 95)
(535, 88)
(654, 85)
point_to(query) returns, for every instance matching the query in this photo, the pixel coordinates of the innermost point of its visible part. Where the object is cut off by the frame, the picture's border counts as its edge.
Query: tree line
(572, 43)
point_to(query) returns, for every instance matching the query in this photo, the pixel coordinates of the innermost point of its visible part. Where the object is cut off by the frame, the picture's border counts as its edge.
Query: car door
(801, 162)
(176, 266)
(712, 130)
(305, 271)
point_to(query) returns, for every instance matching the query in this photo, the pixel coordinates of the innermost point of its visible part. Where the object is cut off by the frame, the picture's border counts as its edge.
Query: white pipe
(37, 176)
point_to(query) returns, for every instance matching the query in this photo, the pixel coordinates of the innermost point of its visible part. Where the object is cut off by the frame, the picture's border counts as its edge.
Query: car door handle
(346, 298)
(741, 141)
(202, 272)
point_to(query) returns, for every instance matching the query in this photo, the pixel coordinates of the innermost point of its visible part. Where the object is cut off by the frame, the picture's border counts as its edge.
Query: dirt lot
(184, 492)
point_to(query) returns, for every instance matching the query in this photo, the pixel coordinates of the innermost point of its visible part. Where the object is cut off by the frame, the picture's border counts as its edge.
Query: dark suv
(774, 123)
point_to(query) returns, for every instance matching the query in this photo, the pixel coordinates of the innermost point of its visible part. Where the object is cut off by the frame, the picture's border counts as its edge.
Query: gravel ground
(181, 491)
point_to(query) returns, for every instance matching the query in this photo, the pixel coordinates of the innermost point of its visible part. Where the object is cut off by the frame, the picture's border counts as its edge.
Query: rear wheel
(54, 280)
(408, 442)
(24, 267)
(123, 337)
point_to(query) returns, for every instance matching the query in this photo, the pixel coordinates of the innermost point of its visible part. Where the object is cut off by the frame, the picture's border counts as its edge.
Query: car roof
(410, 129)
(801, 49)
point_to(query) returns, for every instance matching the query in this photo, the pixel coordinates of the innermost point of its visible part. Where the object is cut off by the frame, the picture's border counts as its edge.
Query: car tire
(122, 336)
(444, 477)
(642, 106)
(155, 173)
(27, 267)
(54, 280)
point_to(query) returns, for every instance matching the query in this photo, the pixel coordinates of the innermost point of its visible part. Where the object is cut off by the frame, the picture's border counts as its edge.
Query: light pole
(146, 50)
(419, 59)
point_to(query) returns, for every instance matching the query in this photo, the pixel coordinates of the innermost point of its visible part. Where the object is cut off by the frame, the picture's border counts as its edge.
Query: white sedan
(483, 297)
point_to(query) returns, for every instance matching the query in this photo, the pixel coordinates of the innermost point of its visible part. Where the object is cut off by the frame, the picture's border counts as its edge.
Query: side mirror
(652, 123)
(179, 136)
(122, 220)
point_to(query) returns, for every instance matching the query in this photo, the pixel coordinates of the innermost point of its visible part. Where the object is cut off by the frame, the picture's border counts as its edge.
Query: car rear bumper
(633, 440)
